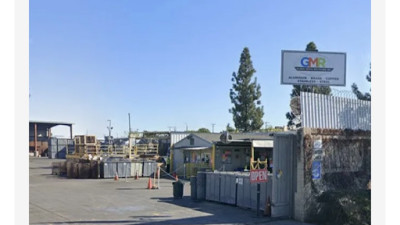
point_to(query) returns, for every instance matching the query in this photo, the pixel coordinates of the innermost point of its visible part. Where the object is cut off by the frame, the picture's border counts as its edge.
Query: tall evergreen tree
(245, 96)
(311, 47)
(361, 96)
(326, 90)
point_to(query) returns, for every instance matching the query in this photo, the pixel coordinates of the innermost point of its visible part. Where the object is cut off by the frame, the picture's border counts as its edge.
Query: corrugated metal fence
(330, 112)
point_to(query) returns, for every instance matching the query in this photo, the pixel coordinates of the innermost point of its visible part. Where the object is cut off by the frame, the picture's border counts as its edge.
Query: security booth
(236, 152)
(232, 156)
(263, 150)
(194, 153)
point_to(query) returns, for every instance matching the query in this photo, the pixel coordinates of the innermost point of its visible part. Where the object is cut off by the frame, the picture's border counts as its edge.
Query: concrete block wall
(345, 164)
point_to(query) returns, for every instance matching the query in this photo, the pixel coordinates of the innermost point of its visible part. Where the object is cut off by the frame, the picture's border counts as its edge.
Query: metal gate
(283, 175)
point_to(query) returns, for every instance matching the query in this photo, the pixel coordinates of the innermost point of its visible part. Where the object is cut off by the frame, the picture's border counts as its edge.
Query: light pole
(109, 131)
(129, 115)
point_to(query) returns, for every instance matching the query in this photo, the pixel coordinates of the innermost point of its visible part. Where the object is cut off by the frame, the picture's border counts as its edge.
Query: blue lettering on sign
(316, 170)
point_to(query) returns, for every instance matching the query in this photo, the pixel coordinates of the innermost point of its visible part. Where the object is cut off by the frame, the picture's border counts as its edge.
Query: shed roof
(251, 136)
(210, 137)
(48, 124)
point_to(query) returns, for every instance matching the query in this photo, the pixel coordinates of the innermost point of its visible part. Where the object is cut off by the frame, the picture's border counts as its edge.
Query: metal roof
(210, 137)
(48, 124)
(215, 137)
(251, 136)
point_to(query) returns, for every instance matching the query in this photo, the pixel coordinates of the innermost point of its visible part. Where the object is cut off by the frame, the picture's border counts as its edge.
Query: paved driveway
(58, 200)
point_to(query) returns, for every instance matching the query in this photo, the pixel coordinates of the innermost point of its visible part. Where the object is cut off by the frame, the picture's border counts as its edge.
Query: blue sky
(170, 63)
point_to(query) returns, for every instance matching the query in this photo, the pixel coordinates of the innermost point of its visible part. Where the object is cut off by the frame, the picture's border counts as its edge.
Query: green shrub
(343, 207)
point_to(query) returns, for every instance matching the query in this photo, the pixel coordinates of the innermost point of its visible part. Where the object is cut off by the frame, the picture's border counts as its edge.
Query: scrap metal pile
(91, 160)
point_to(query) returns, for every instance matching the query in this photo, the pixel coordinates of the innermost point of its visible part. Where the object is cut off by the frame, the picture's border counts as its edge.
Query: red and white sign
(258, 176)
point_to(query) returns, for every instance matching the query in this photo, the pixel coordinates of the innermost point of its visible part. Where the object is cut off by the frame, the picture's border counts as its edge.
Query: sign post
(258, 176)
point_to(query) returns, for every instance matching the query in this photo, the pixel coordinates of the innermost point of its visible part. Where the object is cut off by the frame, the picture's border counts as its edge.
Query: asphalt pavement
(59, 200)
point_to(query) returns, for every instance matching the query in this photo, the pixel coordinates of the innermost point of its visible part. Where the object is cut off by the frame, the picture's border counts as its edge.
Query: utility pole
(129, 115)
(109, 131)
(213, 124)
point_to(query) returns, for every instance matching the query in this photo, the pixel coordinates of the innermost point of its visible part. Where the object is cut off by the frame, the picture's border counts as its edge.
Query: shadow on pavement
(139, 220)
(129, 189)
(215, 213)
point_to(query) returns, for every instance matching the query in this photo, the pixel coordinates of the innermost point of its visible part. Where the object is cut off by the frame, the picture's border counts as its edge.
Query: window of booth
(227, 157)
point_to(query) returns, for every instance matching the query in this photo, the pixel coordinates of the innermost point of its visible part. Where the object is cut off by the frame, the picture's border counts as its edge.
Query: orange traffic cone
(267, 211)
(149, 185)
(137, 176)
(116, 176)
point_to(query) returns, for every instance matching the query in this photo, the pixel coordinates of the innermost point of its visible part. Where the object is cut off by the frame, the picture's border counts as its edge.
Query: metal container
(124, 168)
(253, 196)
(217, 187)
(149, 168)
(58, 147)
(243, 190)
(136, 169)
(228, 188)
(208, 186)
(108, 169)
(52, 148)
(52, 155)
(193, 188)
(213, 181)
(62, 154)
(201, 186)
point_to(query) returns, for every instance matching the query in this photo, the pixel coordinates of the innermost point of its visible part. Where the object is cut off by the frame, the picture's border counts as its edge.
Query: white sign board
(313, 68)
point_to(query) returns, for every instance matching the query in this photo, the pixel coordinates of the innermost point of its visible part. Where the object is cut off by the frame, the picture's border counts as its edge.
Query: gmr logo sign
(309, 62)
(313, 64)
(313, 68)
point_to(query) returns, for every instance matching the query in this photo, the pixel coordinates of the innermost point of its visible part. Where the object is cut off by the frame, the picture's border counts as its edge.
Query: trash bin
(193, 188)
(178, 189)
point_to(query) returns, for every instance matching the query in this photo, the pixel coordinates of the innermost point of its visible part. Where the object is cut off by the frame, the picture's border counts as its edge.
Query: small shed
(193, 153)
(40, 133)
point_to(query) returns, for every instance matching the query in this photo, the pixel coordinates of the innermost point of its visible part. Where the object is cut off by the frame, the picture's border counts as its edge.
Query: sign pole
(258, 199)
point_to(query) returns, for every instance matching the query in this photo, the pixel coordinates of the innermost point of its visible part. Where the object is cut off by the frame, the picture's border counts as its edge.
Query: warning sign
(258, 176)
